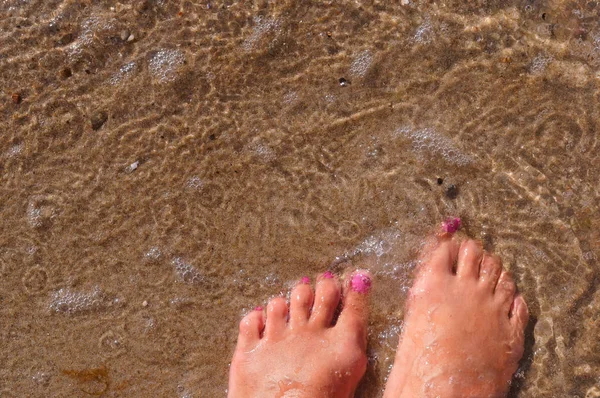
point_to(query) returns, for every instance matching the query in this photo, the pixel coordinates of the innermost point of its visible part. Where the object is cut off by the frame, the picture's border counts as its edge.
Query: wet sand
(167, 166)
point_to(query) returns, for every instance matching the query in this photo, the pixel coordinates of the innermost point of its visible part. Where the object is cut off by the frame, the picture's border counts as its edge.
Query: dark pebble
(66, 73)
(343, 82)
(65, 39)
(143, 6)
(452, 191)
(440, 181)
(98, 119)
(212, 137)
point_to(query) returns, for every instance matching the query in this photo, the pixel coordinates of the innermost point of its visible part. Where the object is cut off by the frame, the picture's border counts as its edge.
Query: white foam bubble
(34, 215)
(164, 63)
(376, 245)
(428, 141)
(124, 72)
(262, 150)
(389, 336)
(153, 254)
(424, 33)
(195, 183)
(42, 378)
(262, 25)
(361, 64)
(186, 272)
(67, 301)
(539, 63)
(89, 28)
(14, 150)
(290, 97)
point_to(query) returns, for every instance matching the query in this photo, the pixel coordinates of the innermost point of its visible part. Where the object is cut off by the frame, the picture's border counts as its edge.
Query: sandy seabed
(167, 165)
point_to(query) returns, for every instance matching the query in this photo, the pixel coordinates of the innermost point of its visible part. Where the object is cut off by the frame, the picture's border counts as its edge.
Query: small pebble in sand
(16, 98)
(451, 225)
(131, 37)
(65, 73)
(145, 303)
(440, 180)
(98, 119)
(452, 191)
(343, 82)
(132, 167)
(66, 39)
(124, 34)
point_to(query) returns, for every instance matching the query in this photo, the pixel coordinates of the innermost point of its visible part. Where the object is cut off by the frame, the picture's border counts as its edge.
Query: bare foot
(304, 355)
(463, 333)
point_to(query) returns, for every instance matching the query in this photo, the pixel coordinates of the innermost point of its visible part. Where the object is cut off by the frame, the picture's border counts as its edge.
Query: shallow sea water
(167, 165)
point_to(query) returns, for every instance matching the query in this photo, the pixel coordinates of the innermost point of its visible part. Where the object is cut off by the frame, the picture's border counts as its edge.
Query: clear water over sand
(165, 166)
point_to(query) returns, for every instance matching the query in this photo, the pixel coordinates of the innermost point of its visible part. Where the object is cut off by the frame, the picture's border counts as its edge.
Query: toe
(327, 298)
(519, 313)
(491, 266)
(519, 317)
(301, 302)
(440, 257)
(469, 259)
(276, 323)
(251, 327)
(505, 291)
(355, 310)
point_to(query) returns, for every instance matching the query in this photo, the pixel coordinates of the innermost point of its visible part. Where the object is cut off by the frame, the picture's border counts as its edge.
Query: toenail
(305, 280)
(258, 308)
(328, 275)
(451, 225)
(361, 283)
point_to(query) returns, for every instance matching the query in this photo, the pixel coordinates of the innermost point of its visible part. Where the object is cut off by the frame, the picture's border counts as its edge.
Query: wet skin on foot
(463, 331)
(296, 349)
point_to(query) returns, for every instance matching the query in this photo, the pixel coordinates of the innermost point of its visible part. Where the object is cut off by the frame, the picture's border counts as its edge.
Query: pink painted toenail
(451, 225)
(328, 275)
(305, 280)
(361, 283)
(258, 308)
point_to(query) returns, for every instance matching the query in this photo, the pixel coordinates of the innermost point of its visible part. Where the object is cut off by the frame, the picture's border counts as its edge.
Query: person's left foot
(303, 354)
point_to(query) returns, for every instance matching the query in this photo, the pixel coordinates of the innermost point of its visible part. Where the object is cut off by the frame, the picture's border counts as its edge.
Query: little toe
(469, 259)
(519, 316)
(276, 323)
(519, 313)
(355, 310)
(301, 301)
(440, 258)
(491, 267)
(251, 327)
(327, 298)
(505, 291)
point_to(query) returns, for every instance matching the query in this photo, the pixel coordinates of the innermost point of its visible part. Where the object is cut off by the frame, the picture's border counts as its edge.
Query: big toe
(440, 256)
(355, 310)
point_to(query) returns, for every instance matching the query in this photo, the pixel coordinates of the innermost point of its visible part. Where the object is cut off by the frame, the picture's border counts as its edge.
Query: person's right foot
(463, 331)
